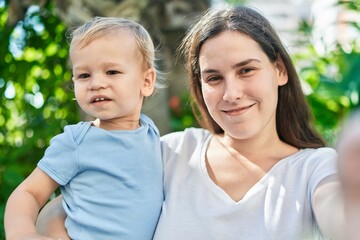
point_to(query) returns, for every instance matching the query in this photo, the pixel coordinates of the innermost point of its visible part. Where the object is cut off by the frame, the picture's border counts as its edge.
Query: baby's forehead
(82, 41)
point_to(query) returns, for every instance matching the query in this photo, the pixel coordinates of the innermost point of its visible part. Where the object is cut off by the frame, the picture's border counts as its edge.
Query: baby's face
(110, 79)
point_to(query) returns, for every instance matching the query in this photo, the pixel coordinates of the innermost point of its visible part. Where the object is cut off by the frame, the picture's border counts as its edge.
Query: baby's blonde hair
(99, 26)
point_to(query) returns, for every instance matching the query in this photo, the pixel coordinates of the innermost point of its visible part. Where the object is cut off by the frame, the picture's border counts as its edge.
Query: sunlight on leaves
(10, 90)
(60, 94)
(36, 100)
(51, 49)
(345, 101)
(2, 137)
(58, 70)
(8, 58)
(354, 96)
(29, 133)
(31, 54)
(45, 74)
(2, 120)
(17, 41)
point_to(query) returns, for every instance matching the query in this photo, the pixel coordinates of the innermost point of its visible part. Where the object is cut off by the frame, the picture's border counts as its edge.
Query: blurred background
(36, 97)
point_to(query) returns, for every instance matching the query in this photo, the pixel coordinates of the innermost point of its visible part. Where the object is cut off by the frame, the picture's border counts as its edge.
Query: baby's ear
(148, 84)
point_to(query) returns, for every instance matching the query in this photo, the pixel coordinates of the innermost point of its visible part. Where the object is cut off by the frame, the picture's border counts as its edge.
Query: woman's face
(240, 85)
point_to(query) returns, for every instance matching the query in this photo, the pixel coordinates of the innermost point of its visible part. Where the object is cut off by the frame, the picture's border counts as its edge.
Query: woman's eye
(112, 72)
(246, 70)
(213, 79)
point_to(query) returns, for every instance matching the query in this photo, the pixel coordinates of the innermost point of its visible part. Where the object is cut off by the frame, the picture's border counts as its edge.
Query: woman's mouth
(238, 110)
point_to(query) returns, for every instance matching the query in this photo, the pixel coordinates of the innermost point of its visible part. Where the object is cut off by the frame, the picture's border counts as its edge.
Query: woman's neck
(260, 148)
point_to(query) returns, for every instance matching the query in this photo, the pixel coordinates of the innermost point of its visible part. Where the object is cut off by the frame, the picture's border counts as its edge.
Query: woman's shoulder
(179, 147)
(189, 136)
(314, 158)
(320, 153)
(187, 133)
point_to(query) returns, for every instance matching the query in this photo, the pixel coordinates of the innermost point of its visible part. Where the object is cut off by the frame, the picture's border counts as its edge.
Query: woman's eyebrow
(239, 64)
(245, 62)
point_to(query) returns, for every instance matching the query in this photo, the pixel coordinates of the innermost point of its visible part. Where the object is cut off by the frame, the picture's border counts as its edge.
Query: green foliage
(36, 99)
(332, 78)
(180, 112)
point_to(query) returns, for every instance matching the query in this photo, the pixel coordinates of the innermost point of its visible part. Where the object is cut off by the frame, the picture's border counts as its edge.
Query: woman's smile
(238, 110)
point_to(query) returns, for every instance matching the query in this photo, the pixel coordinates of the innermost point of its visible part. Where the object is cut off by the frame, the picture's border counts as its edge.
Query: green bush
(35, 89)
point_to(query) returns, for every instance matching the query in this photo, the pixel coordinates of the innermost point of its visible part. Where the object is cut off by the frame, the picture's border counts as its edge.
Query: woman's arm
(337, 209)
(328, 207)
(51, 220)
(24, 204)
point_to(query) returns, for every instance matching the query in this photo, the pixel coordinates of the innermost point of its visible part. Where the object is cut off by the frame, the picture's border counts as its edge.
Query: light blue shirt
(111, 181)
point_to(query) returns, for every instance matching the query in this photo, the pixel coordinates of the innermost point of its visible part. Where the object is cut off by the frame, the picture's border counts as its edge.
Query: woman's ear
(148, 84)
(282, 71)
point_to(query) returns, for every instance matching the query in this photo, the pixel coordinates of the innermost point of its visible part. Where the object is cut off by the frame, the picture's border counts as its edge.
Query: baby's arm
(24, 203)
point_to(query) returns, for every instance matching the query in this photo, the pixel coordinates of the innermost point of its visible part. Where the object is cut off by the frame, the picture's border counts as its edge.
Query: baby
(109, 170)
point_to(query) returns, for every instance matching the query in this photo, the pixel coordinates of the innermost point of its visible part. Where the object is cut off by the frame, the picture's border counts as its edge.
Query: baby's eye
(83, 75)
(112, 72)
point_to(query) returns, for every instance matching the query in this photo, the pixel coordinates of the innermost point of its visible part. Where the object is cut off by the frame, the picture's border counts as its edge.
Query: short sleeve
(145, 119)
(60, 161)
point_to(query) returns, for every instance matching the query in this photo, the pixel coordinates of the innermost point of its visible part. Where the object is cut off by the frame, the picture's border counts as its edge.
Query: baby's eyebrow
(103, 65)
(111, 64)
(78, 68)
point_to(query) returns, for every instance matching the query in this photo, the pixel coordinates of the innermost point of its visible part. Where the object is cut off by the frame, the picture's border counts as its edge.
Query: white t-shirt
(278, 207)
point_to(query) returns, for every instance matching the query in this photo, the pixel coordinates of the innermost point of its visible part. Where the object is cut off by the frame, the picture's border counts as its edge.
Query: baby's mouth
(99, 99)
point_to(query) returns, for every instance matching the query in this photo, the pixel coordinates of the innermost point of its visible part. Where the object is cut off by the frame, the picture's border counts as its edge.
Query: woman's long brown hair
(293, 116)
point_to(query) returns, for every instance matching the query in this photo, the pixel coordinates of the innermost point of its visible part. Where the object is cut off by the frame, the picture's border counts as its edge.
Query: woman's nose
(233, 90)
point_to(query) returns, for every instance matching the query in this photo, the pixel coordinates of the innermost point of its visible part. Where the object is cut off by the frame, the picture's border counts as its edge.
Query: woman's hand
(35, 237)
(349, 168)
(51, 221)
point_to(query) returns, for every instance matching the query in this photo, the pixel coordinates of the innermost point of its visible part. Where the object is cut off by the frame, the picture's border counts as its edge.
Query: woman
(255, 172)
(257, 169)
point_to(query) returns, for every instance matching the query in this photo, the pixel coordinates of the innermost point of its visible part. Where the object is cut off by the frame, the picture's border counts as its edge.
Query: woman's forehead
(231, 46)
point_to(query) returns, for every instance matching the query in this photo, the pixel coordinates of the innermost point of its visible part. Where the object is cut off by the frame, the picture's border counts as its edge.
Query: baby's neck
(118, 124)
